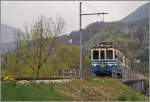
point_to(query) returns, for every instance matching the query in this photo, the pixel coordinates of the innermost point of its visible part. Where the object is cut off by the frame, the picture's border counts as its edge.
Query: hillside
(140, 13)
(5, 47)
(103, 89)
(131, 38)
(138, 18)
(8, 33)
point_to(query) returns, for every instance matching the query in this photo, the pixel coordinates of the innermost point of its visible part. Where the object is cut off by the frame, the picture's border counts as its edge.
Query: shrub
(122, 98)
(135, 98)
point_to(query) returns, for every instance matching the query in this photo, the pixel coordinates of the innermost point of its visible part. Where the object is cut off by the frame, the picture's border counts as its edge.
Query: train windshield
(109, 54)
(96, 54)
(102, 54)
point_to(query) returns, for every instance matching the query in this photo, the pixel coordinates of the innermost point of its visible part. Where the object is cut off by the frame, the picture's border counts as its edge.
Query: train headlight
(110, 64)
(94, 65)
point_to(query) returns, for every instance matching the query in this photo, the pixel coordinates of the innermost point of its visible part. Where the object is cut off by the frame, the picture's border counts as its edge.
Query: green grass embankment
(31, 92)
(103, 89)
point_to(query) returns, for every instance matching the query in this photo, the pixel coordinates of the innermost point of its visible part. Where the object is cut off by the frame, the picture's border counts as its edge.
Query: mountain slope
(140, 13)
(5, 47)
(8, 33)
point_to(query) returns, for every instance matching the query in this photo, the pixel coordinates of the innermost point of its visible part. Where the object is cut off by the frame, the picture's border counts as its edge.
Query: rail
(31, 78)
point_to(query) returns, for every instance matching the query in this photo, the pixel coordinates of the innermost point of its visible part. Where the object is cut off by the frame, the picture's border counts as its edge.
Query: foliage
(122, 98)
(63, 57)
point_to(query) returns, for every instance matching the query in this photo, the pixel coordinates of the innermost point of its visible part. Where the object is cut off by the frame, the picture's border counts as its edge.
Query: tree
(44, 33)
(34, 46)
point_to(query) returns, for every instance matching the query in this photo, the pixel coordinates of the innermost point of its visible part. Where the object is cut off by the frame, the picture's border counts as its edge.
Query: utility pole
(80, 22)
(80, 29)
(103, 15)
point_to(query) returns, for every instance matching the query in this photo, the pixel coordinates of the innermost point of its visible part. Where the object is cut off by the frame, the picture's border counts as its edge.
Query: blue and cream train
(105, 56)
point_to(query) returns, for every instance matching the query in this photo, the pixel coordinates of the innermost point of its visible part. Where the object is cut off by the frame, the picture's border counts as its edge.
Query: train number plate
(102, 65)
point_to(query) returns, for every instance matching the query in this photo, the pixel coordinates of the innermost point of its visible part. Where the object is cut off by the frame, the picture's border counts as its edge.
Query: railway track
(37, 80)
(32, 78)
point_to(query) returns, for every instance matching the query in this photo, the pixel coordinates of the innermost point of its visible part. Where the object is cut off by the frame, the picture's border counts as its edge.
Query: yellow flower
(9, 77)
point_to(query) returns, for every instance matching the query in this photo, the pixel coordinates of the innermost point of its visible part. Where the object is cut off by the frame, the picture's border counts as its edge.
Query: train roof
(110, 45)
(105, 45)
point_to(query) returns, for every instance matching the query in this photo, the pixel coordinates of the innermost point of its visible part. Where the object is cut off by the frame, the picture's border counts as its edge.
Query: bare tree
(44, 33)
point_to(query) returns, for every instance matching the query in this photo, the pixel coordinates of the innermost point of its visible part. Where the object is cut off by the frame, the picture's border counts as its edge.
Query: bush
(122, 98)
(135, 98)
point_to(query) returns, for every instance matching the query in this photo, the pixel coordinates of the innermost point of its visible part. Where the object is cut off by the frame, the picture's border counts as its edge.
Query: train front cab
(103, 61)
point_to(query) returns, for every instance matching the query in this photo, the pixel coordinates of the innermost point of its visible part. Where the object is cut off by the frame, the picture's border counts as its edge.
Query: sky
(17, 13)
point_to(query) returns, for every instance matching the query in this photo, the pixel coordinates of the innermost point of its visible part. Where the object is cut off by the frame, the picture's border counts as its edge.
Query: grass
(31, 92)
(103, 89)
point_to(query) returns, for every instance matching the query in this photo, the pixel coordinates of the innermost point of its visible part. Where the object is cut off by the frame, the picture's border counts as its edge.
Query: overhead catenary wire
(83, 11)
(92, 8)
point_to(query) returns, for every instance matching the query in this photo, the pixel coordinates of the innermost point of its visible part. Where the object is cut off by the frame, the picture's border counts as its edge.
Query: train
(106, 56)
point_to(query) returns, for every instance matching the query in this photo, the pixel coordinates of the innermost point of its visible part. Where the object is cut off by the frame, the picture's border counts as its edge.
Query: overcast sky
(16, 13)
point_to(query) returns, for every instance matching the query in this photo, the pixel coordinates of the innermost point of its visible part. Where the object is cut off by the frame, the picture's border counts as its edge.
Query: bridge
(131, 78)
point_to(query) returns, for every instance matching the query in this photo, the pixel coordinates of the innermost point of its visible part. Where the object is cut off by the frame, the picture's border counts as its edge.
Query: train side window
(109, 54)
(102, 54)
(116, 57)
(96, 54)
(121, 58)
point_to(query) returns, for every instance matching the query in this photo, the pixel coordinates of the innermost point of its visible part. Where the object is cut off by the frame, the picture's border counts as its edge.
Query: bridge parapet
(125, 74)
(131, 78)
